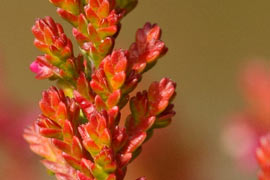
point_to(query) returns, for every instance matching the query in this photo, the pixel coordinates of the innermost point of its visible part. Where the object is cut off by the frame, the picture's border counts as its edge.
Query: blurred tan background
(208, 43)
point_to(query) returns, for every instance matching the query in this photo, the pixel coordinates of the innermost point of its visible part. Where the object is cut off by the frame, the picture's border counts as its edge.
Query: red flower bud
(50, 39)
(41, 68)
(147, 48)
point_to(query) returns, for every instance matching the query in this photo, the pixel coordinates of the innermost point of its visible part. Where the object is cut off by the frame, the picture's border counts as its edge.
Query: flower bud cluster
(78, 132)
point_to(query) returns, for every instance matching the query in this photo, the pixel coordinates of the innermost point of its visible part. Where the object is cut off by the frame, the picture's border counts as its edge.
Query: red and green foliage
(78, 132)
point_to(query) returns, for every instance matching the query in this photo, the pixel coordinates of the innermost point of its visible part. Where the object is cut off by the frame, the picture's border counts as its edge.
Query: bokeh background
(209, 42)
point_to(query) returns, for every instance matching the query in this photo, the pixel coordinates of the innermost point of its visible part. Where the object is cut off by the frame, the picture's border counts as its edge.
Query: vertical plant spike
(263, 157)
(78, 133)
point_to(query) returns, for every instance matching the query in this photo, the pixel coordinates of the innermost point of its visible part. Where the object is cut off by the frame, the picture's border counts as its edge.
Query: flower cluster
(78, 132)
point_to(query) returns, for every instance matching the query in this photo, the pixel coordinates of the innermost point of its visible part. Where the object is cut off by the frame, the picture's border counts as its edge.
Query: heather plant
(79, 133)
(247, 135)
(263, 157)
(244, 129)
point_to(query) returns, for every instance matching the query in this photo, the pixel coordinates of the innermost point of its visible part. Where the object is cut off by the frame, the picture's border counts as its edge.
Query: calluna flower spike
(78, 132)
